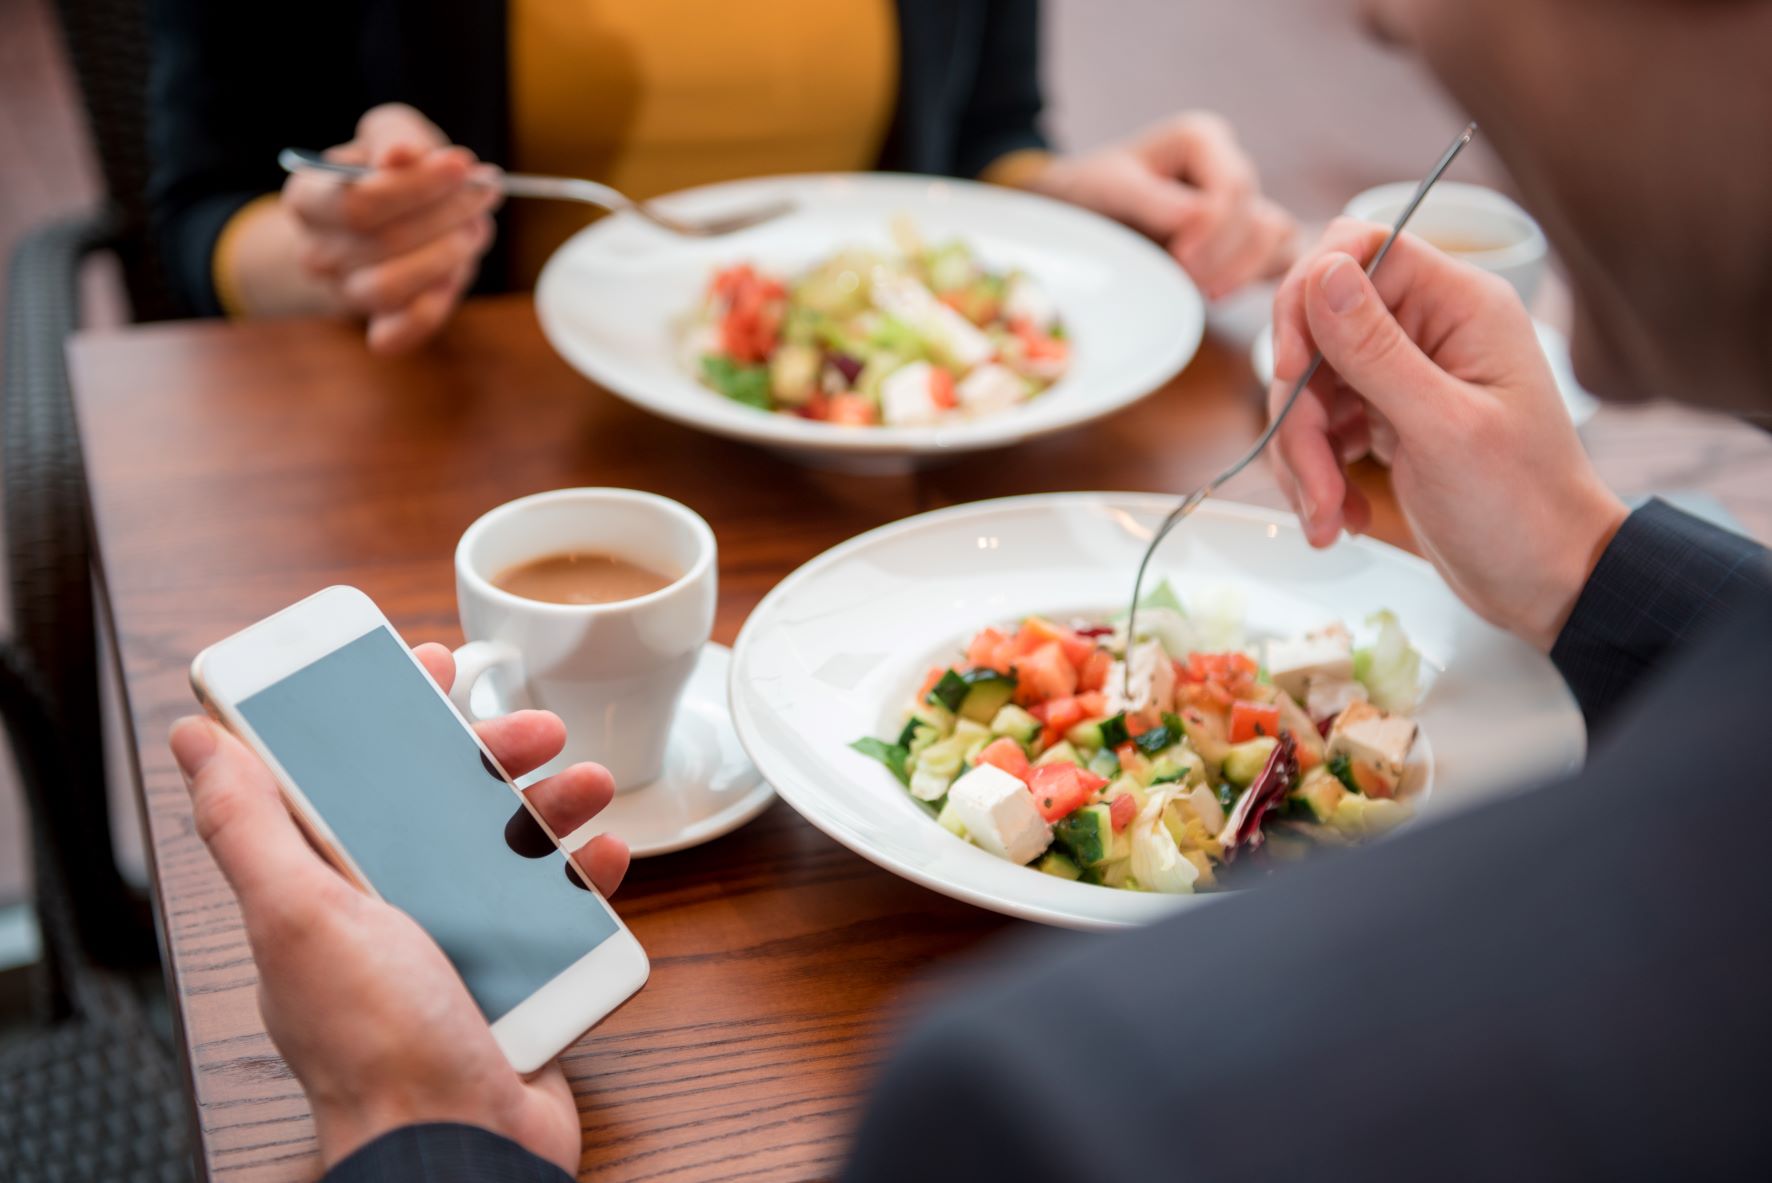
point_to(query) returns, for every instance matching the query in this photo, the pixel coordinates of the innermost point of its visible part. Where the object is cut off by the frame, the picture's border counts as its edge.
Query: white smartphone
(394, 788)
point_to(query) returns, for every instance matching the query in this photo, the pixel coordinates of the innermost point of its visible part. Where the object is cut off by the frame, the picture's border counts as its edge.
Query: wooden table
(235, 469)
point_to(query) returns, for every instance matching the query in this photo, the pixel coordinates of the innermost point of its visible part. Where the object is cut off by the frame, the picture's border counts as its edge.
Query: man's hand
(1187, 184)
(362, 1003)
(398, 247)
(1438, 373)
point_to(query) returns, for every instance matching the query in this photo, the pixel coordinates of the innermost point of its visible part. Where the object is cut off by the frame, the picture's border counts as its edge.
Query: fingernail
(193, 743)
(1343, 287)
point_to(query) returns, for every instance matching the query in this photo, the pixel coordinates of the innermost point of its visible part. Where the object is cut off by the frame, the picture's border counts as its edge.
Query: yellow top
(655, 95)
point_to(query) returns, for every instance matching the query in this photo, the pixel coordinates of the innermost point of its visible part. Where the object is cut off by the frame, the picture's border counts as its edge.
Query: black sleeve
(229, 87)
(444, 1153)
(1002, 113)
(1666, 575)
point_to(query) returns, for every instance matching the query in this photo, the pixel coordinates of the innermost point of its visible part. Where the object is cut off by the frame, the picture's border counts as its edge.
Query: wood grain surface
(236, 469)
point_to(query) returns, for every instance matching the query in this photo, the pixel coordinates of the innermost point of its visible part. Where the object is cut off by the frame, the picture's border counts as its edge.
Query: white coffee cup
(1480, 226)
(613, 672)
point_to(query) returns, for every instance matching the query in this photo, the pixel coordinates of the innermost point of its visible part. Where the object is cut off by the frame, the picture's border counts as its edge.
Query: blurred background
(1278, 69)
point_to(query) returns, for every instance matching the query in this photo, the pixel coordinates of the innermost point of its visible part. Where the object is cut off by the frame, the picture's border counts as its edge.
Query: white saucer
(1581, 404)
(709, 786)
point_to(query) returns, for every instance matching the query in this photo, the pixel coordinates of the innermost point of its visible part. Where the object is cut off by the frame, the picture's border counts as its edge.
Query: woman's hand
(1437, 372)
(368, 1012)
(1187, 184)
(399, 247)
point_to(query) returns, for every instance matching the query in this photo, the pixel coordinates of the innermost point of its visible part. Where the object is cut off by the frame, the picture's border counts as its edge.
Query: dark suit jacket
(1570, 983)
(230, 87)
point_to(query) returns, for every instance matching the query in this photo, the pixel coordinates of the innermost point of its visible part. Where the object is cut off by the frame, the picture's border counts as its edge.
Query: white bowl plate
(613, 300)
(838, 648)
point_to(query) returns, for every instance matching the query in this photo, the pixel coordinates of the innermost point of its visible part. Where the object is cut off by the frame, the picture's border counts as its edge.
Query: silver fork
(563, 189)
(1193, 500)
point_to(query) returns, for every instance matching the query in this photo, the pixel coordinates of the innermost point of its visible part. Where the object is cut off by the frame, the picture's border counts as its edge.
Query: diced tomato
(1093, 702)
(935, 673)
(1372, 782)
(1006, 754)
(990, 649)
(1076, 649)
(1308, 757)
(1049, 735)
(1062, 714)
(853, 410)
(1044, 674)
(1250, 720)
(1093, 783)
(1093, 674)
(1058, 789)
(1037, 345)
(817, 407)
(1122, 811)
(941, 388)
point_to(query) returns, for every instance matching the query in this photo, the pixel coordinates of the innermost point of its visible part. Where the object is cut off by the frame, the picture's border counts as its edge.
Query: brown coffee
(581, 577)
(1463, 244)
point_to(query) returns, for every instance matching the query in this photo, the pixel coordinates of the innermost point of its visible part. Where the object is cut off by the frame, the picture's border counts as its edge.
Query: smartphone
(394, 788)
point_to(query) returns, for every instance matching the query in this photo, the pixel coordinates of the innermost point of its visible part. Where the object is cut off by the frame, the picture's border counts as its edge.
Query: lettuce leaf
(1390, 668)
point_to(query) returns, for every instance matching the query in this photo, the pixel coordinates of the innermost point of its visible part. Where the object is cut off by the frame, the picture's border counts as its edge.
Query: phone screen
(412, 799)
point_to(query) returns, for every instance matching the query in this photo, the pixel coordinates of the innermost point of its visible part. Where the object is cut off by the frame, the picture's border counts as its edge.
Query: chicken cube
(1325, 654)
(990, 389)
(1362, 732)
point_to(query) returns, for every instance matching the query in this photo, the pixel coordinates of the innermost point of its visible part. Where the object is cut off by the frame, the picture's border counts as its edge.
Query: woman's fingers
(392, 285)
(335, 255)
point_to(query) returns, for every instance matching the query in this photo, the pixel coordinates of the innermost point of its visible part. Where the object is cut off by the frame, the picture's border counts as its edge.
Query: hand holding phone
(371, 1015)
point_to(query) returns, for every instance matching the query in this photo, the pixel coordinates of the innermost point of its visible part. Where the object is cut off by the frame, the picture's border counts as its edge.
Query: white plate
(1581, 404)
(838, 648)
(613, 298)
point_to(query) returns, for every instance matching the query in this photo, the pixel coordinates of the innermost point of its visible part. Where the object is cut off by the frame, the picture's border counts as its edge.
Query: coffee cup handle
(474, 661)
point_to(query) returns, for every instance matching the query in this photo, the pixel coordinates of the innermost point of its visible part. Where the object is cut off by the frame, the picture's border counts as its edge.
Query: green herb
(742, 384)
(893, 756)
(1343, 771)
(1158, 738)
(910, 732)
(950, 691)
(1227, 795)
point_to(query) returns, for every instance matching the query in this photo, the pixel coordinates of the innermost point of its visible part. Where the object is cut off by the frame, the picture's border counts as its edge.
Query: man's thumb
(1363, 342)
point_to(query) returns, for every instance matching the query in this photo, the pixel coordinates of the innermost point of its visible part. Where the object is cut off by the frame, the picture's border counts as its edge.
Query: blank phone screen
(409, 794)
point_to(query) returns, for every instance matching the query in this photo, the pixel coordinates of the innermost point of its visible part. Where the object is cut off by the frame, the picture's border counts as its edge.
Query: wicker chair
(94, 1091)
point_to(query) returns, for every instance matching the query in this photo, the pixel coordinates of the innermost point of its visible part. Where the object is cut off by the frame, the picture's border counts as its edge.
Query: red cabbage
(1262, 798)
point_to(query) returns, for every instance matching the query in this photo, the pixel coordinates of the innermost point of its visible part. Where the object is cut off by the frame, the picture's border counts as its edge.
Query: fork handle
(511, 184)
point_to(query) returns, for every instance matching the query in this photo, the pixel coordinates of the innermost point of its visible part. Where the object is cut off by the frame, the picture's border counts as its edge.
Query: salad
(1155, 763)
(923, 336)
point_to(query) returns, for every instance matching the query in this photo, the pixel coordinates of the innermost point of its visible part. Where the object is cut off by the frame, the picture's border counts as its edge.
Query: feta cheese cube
(1027, 300)
(906, 399)
(1152, 681)
(990, 389)
(1326, 697)
(998, 813)
(1326, 654)
(902, 296)
(1363, 732)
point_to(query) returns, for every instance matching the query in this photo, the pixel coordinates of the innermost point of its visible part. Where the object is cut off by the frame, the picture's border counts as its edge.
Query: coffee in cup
(581, 577)
(1477, 225)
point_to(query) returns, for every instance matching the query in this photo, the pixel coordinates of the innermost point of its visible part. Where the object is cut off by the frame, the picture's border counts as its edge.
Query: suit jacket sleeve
(227, 89)
(1665, 576)
(444, 1153)
(1002, 114)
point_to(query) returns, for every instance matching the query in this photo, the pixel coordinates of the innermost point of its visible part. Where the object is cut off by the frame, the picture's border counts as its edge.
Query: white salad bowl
(615, 298)
(836, 651)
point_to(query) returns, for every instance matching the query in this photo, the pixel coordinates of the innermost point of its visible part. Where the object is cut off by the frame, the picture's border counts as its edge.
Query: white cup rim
(1529, 248)
(493, 518)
